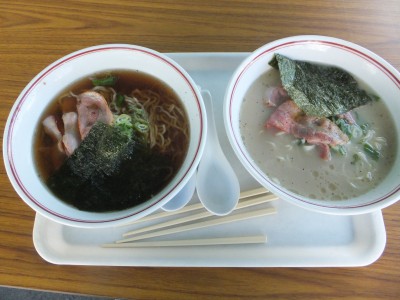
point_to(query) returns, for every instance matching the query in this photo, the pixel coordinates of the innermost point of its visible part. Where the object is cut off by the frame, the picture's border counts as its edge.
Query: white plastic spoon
(183, 196)
(217, 184)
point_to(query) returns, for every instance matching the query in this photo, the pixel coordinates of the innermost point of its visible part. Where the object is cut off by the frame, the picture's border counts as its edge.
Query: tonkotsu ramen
(333, 158)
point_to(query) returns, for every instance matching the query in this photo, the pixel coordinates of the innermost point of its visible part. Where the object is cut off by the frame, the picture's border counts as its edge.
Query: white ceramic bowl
(365, 65)
(24, 116)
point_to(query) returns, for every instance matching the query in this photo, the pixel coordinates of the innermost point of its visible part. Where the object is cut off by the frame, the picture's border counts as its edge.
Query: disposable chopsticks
(132, 239)
(257, 239)
(253, 192)
(208, 223)
(188, 208)
(202, 215)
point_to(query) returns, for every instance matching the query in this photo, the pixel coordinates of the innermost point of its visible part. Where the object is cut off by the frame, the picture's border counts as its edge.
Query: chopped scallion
(371, 151)
(345, 127)
(108, 80)
(365, 127)
(340, 149)
(119, 101)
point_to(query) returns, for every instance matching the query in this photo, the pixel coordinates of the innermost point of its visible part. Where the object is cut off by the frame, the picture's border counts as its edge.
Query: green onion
(119, 101)
(371, 151)
(141, 127)
(124, 123)
(365, 127)
(109, 80)
(345, 127)
(340, 149)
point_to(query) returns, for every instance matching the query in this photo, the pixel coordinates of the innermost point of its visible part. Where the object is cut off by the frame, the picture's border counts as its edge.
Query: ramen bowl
(28, 109)
(298, 179)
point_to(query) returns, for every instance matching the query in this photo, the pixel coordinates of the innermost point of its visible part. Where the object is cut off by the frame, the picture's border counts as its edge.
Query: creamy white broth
(299, 168)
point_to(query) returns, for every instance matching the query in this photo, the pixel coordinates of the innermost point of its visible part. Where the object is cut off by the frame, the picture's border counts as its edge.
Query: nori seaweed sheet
(319, 90)
(109, 171)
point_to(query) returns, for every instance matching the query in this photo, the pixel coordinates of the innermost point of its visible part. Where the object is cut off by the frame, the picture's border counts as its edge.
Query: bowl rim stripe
(364, 54)
(57, 64)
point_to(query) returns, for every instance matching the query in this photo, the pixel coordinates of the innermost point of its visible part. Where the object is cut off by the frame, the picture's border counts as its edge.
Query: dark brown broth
(127, 81)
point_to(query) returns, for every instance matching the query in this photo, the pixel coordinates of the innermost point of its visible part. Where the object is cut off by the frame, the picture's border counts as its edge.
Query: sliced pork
(348, 117)
(56, 152)
(288, 117)
(50, 127)
(275, 96)
(92, 107)
(324, 151)
(71, 138)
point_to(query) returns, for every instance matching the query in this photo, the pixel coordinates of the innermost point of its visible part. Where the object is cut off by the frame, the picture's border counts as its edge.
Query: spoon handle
(212, 136)
(217, 184)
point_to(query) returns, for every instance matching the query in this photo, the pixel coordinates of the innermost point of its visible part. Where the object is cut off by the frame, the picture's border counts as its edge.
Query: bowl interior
(20, 129)
(363, 64)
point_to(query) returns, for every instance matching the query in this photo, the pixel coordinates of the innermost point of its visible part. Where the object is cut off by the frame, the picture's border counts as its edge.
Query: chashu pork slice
(92, 107)
(71, 138)
(288, 117)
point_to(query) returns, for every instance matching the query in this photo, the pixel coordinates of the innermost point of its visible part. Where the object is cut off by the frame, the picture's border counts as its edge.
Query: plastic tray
(296, 237)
